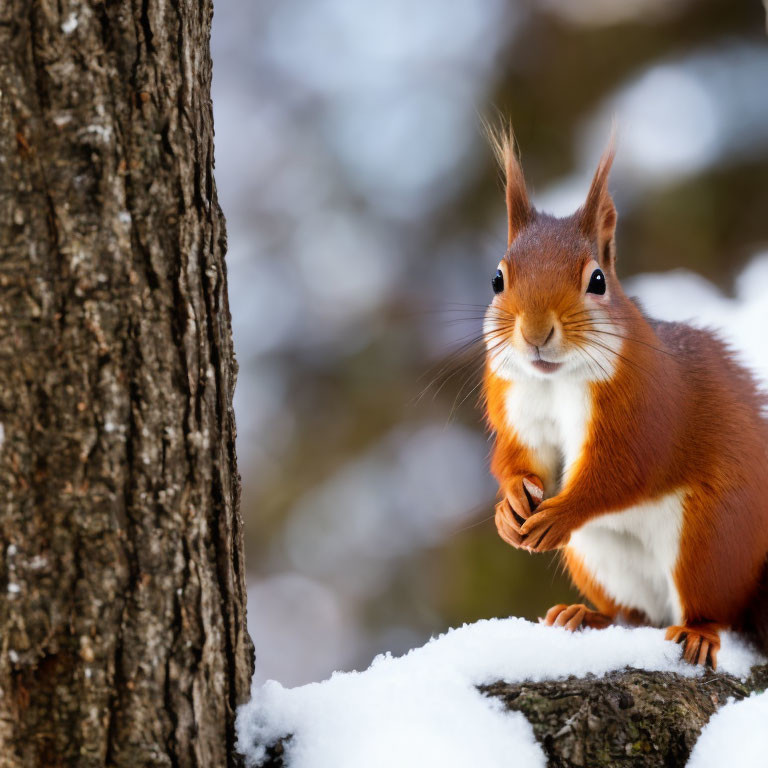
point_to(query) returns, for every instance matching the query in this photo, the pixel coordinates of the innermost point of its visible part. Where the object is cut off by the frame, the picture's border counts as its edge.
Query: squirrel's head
(556, 295)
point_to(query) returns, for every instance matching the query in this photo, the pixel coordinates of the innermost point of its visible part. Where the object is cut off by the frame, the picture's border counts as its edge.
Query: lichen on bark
(122, 598)
(626, 718)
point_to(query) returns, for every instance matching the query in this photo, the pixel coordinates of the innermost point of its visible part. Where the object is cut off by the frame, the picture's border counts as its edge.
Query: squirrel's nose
(537, 337)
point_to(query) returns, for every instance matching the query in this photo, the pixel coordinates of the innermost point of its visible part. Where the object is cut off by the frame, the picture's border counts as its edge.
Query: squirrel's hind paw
(700, 642)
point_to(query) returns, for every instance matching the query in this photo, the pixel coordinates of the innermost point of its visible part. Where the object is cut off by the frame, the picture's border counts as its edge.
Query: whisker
(445, 378)
(594, 361)
(628, 361)
(472, 525)
(456, 406)
(591, 327)
(591, 313)
(474, 338)
(482, 342)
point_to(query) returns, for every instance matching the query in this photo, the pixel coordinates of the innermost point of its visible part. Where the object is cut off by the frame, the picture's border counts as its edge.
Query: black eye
(597, 283)
(498, 282)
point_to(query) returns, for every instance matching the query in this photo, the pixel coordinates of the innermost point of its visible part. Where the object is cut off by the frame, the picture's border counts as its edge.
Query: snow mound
(424, 708)
(735, 735)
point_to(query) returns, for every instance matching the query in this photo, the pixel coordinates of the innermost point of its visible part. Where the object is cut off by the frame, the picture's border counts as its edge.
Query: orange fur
(677, 411)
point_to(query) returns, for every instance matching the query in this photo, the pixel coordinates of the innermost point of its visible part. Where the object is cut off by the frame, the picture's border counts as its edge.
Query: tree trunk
(122, 599)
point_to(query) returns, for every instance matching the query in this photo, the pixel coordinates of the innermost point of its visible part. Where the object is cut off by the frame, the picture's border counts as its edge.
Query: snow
(424, 708)
(735, 735)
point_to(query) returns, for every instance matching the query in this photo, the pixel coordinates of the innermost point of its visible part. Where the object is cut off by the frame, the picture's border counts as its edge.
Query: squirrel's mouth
(544, 366)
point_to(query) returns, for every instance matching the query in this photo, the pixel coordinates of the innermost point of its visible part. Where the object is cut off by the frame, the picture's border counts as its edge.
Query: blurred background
(365, 220)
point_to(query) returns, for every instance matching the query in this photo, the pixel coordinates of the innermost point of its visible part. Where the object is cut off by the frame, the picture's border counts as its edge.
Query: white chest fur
(551, 417)
(631, 553)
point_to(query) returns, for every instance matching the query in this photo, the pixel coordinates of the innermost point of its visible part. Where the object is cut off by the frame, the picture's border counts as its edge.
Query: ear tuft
(597, 217)
(519, 210)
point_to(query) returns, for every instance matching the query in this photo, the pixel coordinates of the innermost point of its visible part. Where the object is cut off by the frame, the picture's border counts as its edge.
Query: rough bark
(629, 718)
(122, 600)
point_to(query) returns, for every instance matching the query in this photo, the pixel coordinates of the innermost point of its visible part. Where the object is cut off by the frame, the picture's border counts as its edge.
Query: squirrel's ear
(519, 211)
(597, 217)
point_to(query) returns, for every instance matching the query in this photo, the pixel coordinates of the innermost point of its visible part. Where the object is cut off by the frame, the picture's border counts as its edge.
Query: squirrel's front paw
(521, 496)
(547, 528)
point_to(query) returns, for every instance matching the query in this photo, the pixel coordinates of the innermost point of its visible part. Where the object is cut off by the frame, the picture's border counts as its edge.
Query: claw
(573, 617)
(700, 642)
(534, 489)
(523, 495)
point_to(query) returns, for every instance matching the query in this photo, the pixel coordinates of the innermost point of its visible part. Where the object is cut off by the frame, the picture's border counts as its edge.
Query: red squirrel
(638, 448)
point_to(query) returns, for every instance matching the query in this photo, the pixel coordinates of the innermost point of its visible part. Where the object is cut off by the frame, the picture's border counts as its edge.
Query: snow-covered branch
(497, 689)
